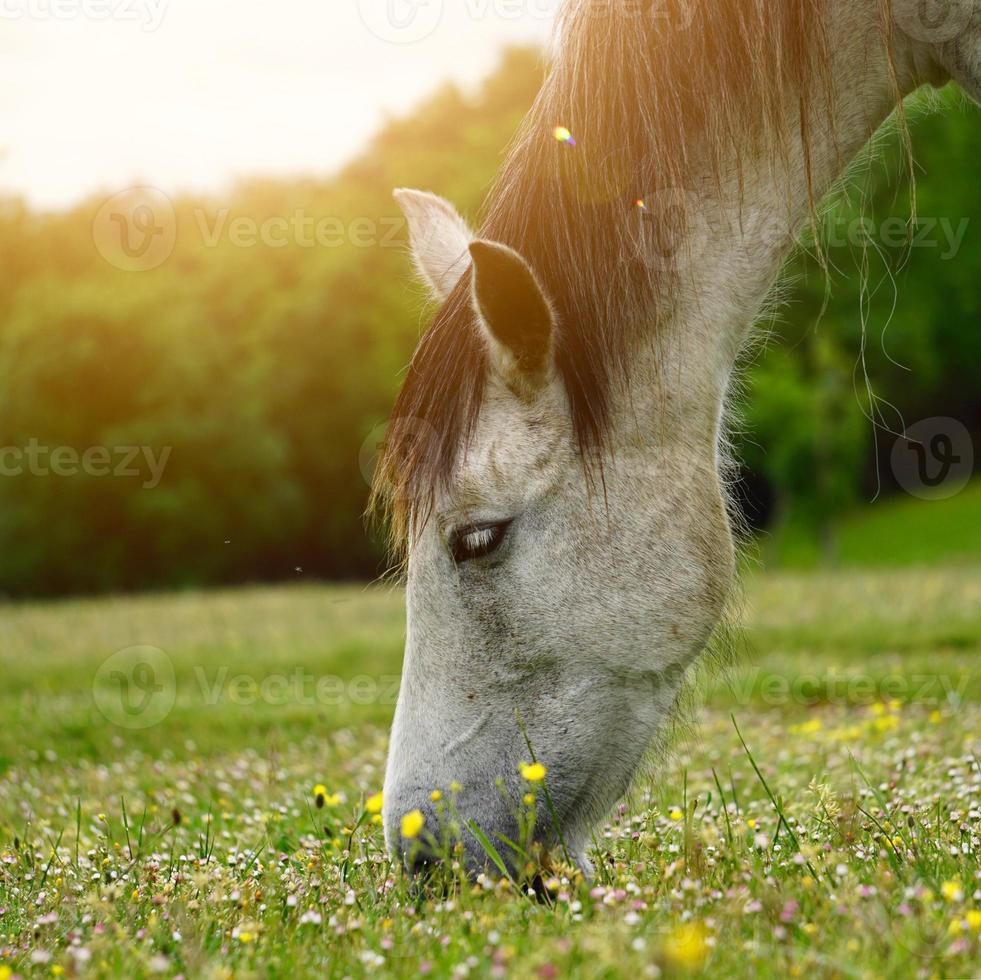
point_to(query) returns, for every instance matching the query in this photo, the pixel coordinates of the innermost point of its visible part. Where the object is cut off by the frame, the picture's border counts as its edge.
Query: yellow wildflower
(376, 819)
(435, 796)
(936, 717)
(374, 803)
(811, 727)
(246, 937)
(528, 799)
(323, 798)
(412, 823)
(686, 946)
(973, 919)
(676, 814)
(952, 891)
(455, 787)
(532, 772)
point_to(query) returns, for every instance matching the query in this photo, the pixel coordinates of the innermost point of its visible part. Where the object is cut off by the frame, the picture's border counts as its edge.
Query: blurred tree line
(267, 366)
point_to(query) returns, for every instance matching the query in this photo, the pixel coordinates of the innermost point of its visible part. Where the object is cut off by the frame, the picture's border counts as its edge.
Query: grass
(821, 817)
(894, 531)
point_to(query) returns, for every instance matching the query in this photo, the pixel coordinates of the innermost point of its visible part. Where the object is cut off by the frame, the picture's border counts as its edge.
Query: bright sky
(99, 95)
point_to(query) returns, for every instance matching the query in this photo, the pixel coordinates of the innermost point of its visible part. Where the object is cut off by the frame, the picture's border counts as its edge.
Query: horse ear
(439, 238)
(514, 311)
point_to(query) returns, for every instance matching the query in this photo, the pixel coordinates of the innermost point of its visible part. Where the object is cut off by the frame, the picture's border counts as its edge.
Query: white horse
(555, 460)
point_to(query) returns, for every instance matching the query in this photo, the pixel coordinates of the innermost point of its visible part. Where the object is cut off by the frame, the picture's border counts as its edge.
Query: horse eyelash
(476, 541)
(482, 536)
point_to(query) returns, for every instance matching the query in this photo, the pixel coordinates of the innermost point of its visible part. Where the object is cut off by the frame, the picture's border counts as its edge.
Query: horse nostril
(421, 823)
(420, 863)
(443, 840)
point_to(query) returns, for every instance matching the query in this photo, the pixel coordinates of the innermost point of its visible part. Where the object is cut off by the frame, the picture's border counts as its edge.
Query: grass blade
(489, 848)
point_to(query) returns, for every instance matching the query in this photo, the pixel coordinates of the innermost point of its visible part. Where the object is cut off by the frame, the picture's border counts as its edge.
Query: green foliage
(888, 334)
(265, 368)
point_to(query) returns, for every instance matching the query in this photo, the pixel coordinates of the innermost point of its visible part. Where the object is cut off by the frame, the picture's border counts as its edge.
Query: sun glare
(98, 95)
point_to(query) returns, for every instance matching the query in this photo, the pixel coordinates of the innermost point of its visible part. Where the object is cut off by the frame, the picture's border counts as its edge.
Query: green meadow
(817, 816)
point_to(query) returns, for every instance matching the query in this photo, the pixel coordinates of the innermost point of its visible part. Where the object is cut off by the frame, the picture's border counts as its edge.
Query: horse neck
(740, 235)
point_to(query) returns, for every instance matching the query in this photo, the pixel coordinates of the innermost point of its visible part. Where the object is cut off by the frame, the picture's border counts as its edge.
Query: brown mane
(657, 94)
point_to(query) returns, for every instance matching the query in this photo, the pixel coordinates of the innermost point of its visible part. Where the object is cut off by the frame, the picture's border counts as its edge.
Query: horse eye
(477, 540)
